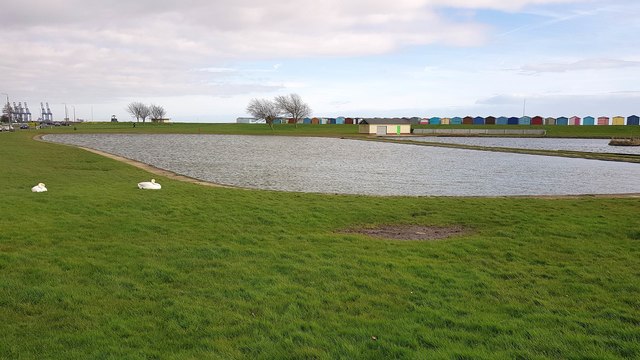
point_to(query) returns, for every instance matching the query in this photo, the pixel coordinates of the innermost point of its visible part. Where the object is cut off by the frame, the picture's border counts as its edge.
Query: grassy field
(96, 268)
(330, 130)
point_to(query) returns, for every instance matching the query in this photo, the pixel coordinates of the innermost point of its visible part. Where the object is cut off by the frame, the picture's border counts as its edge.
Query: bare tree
(293, 106)
(144, 112)
(136, 109)
(157, 112)
(263, 109)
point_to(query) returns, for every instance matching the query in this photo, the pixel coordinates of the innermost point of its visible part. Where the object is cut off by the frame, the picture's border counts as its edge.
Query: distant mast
(524, 106)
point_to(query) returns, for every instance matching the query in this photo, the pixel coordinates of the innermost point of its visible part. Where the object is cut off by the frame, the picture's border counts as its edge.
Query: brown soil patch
(410, 232)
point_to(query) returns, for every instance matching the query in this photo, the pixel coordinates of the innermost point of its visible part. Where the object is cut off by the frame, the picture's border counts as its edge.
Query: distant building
(249, 120)
(385, 126)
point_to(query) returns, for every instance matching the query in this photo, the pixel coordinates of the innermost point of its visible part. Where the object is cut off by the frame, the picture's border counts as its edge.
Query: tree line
(142, 111)
(290, 106)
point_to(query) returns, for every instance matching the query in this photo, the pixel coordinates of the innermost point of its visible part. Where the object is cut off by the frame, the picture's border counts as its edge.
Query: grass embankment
(96, 268)
(329, 130)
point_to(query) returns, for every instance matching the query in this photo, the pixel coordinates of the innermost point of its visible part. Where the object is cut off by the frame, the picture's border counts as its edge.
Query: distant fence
(479, 132)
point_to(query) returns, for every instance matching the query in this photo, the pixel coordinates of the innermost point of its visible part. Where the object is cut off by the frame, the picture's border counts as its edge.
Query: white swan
(39, 188)
(149, 185)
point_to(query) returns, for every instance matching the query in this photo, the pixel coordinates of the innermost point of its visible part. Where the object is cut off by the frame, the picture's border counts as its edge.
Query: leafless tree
(264, 109)
(157, 112)
(137, 110)
(293, 106)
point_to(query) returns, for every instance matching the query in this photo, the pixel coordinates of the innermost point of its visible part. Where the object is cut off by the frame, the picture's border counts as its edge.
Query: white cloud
(585, 64)
(94, 51)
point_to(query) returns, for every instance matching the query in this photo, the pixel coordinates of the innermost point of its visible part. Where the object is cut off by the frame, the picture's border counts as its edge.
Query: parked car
(24, 126)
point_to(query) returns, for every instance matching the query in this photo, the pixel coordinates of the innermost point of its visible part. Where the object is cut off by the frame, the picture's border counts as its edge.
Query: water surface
(328, 165)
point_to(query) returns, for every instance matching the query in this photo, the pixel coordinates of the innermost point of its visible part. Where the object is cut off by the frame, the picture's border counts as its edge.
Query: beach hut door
(381, 130)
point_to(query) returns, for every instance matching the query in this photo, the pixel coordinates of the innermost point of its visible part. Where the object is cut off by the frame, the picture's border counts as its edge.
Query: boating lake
(330, 165)
(582, 145)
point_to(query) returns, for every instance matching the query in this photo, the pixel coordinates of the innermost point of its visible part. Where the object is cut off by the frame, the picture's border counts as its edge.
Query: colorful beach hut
(306, 120)
(550, 121)
(588, 120)
(562, 120)
(574, 120)
(633, 120)
(603, 120)
(424, 121)
(524, 120)
(502, 120)
(490, 120)
(467, 120)
(617, 120)
(445, 121)
(513, 121)
(349, 121)
(340, 120)
(456, 120)
(478, 120)
(434, 120)
(537, 120)
(315, 121)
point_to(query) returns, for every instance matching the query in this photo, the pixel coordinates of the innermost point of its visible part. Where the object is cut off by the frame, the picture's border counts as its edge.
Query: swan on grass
(39, 188)
(149, 185)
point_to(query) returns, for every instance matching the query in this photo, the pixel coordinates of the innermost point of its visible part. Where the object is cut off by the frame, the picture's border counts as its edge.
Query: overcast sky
(204, 60)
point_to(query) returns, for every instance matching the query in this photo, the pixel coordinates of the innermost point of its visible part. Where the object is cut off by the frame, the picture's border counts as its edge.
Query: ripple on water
(329, 165)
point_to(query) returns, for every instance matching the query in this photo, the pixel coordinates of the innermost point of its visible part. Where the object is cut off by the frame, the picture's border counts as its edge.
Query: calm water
(584, 145)
(363, 167)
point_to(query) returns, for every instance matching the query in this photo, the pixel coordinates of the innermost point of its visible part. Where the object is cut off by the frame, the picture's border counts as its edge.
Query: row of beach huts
(469, 120)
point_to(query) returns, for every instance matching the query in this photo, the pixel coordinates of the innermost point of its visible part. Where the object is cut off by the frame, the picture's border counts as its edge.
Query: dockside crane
(27, 113)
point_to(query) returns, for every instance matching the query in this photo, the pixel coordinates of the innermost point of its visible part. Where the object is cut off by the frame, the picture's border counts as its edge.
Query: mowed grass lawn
(96, 268)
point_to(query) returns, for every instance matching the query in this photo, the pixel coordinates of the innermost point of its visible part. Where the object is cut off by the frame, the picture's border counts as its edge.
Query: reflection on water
(362, 167)
(583, 145)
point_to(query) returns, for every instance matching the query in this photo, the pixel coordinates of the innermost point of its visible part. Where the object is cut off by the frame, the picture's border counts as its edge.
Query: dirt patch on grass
(410, 232)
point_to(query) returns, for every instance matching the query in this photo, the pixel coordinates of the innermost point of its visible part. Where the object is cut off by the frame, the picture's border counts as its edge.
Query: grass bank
(328, 130)
(96, 268)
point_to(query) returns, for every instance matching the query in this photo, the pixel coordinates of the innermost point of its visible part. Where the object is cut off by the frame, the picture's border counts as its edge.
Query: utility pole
(74, 113)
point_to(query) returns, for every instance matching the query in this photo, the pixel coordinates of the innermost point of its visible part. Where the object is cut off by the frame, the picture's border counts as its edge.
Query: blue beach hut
(513, 121)
(478, 120)
(306, 120)
(525, 120)
(456, 120)
(588, 120)
(340, 120)
(562, 120)
(633, 120)
(502, 120)
(435, 120)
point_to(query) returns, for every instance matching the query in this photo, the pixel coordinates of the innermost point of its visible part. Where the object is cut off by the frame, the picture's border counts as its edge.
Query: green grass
(328, 130)
(96, 268)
